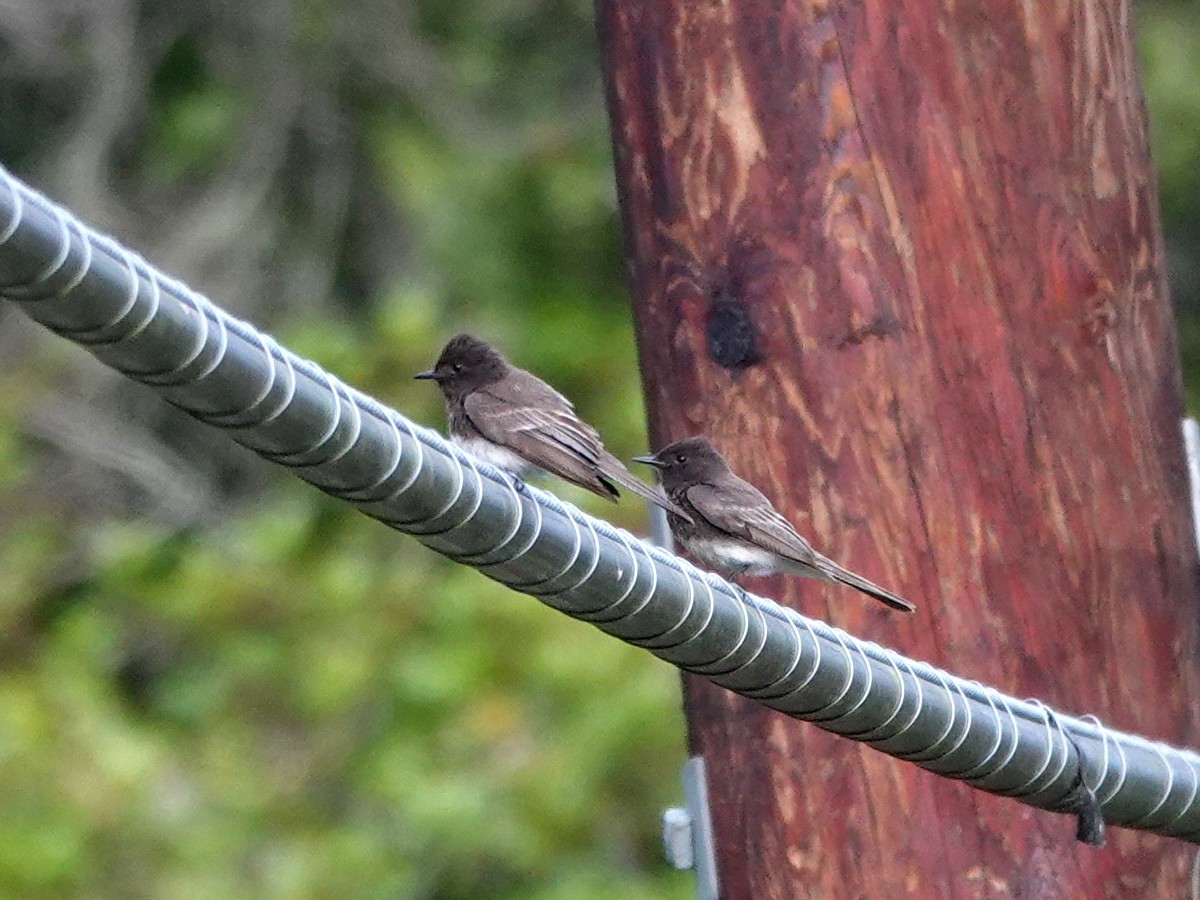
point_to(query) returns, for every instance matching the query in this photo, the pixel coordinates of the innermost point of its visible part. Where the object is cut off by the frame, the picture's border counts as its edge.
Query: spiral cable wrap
(225, 373)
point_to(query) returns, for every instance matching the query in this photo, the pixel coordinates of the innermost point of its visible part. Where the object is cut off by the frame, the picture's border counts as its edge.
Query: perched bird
(517, 422)
(734, 527)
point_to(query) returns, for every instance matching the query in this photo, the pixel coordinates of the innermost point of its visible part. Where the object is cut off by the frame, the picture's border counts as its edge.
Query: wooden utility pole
(902, 262)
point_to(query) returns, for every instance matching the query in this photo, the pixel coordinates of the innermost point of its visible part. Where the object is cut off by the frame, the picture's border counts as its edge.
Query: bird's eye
(457, 367)
(680, 457)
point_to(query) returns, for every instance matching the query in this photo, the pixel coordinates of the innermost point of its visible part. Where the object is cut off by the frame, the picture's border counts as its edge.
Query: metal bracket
(688, 832)
(1191, 446)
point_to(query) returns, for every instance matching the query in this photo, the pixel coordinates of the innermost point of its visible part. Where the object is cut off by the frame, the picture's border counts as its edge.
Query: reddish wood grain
(901, 261)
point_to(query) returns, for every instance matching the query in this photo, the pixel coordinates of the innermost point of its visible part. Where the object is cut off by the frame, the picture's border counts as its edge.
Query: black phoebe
(735, 527)
(516, 421)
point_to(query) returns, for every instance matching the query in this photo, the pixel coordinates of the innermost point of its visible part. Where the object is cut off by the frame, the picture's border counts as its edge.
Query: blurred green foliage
(1169, 40)
(249, 691)
(281, 698)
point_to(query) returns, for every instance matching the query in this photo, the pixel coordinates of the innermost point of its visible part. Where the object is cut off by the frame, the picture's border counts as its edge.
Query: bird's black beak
(649, 460)
(426, 376)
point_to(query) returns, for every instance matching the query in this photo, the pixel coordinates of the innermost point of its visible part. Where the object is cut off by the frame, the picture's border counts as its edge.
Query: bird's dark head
(466, 364)
(693, 460)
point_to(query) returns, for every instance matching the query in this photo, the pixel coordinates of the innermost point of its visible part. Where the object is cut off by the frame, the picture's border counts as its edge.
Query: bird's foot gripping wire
(738, 589)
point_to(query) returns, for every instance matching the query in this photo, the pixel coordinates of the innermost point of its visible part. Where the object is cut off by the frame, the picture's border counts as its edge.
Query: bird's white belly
(500, 457)
(724, 554)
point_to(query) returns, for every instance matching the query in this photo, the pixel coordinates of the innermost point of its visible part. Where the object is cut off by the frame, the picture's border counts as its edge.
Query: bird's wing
(532, 419)
(739, 508)
(529, 417)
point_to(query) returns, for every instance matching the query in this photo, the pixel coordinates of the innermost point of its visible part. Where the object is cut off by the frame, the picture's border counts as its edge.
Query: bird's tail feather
(869, 588)
(613, 470)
